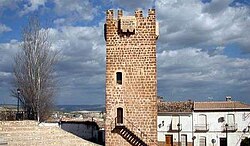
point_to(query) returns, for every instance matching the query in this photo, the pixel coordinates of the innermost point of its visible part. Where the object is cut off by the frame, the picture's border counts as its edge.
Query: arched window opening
(119, 115)
(119, 78)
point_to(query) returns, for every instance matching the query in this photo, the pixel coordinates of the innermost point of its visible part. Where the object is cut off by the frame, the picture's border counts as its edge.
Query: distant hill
(70, 108)
(8, 106)
(65, 108)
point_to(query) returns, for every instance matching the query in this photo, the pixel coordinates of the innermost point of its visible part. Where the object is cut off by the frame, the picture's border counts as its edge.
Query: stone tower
(131, 84)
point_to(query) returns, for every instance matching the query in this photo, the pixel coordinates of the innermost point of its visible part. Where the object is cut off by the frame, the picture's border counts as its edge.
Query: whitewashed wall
(215, 127)
(215, 131)
(186, 126)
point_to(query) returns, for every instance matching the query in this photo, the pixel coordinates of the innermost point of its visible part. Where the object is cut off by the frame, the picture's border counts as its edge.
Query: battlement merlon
(151, 13)
(120, 14)
(128, 23)
(138, 14)
(109, 14)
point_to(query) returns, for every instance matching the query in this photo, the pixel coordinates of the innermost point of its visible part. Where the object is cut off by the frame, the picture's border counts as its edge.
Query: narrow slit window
(119, 78)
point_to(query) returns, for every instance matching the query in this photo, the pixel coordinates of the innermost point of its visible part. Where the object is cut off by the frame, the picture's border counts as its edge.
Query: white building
(203, 123)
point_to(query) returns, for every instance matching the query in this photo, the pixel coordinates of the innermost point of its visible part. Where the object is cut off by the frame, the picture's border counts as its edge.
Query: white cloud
(82, 66)
(4, 28)
(132, 4)
(32, 5)
(193, 23)
(216, 6)
(194, 73)
(7, 53)
(7, 4)
(186, 68)
(4, 3)
(75, 10)
(59, 21)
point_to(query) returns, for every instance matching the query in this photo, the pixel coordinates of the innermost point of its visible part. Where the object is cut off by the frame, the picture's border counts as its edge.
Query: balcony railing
(230, 127)
(201, 127)
(175, 128)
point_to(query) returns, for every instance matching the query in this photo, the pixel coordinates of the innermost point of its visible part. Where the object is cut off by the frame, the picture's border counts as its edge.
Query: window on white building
(175, 122)
(183, 140)
(202, 119)
(202, 122)
(230, 119)
(202, 141)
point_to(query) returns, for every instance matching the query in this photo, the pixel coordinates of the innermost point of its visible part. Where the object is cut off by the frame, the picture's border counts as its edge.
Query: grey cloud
(7, 4)
(74, 11)
(132, 5)
(32, 6)
(216, 6)
(81, 69)
(185, 24)
(4, 28)
(7, 52)
(191, 72)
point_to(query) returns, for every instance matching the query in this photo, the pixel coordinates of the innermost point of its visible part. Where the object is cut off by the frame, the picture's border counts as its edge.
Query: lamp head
(18, 90)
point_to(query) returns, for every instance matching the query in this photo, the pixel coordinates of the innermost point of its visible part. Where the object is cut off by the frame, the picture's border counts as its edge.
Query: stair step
(130, 136)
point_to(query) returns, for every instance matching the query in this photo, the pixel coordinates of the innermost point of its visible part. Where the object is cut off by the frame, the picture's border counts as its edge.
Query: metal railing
(135, 129)
(175, 128)
(230, 127)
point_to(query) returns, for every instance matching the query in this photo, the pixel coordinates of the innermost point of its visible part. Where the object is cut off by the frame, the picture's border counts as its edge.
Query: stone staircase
(29, 133)
(129, 136)
(131, 133)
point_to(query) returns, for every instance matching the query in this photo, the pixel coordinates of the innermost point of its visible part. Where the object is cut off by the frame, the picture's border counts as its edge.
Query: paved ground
(28, 133)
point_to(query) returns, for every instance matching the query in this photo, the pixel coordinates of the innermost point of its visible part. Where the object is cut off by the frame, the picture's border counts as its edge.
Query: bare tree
(34, 70)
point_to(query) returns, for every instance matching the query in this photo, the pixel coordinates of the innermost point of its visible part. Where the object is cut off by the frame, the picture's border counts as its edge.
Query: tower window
(119, 78)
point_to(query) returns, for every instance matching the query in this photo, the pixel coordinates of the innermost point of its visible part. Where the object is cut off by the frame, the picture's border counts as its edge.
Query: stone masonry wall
(132, 52)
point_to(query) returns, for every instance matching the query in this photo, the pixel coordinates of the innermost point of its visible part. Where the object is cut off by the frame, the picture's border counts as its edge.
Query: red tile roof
(220, 105)
(188, 106)
(174, 107)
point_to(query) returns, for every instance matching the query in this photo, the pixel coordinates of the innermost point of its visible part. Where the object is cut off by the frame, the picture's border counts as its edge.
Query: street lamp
(193, 138)
(213, 141)
(226, 126)
(178, 125)
(18, 96)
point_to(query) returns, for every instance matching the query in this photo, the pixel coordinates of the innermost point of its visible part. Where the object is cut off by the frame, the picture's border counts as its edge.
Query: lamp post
(213, 141)
(18, 96)
(193, 138)
(178, 125)
(226, 126)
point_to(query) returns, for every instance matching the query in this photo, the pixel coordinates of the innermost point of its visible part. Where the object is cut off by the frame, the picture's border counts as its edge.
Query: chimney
(228, 98)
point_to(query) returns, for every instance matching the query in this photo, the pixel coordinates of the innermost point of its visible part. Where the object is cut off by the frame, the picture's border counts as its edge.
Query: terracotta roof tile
(220, 105)
(187, 106)
(182, 106)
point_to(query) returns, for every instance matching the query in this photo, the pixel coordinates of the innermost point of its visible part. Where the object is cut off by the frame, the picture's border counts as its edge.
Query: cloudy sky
(203, 51)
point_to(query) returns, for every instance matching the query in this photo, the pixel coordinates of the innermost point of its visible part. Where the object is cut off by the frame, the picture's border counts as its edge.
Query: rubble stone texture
(131, 50)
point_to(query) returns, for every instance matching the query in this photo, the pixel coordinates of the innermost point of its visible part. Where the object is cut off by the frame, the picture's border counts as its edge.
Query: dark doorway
(223, 142)
(119, 115)
(168, 140)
